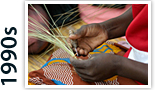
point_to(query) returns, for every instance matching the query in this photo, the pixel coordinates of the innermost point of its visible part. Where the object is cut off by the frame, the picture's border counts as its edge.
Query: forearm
(116, 27)
(133, 70)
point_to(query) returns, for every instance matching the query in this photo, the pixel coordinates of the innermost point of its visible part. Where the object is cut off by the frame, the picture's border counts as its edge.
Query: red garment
(137, 32)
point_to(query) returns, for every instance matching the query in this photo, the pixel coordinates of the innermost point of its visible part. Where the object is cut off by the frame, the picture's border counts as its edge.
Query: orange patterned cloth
(59, 71)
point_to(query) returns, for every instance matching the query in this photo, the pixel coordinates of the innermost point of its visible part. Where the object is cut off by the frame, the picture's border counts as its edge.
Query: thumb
(77, 63)
(74, 36)
(78, 34)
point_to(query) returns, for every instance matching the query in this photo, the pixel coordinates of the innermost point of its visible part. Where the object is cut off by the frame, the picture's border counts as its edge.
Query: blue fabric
(97, 50)
(65, 59)
(58, 82)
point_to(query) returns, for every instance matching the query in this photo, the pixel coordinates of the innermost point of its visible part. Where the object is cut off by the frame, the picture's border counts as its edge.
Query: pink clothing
(93, 14)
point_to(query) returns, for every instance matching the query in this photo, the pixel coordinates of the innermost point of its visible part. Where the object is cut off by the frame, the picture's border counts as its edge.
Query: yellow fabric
(29, 83)
(113, 47)
(60, 61)
(112, 78)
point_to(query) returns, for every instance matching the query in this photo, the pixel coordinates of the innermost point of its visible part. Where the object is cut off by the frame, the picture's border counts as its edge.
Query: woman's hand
(92, 35)
(103, 66)
(97, 68)
(89, 37)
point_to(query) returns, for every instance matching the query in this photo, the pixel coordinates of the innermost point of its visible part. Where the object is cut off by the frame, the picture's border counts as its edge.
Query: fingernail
(72, 35)
(85, 52)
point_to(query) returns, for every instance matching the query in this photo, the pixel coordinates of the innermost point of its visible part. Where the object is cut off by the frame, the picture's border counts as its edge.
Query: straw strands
(54, 37)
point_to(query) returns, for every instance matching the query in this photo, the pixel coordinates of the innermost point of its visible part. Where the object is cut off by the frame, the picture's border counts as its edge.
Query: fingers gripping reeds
(51, 33)
(47, 34)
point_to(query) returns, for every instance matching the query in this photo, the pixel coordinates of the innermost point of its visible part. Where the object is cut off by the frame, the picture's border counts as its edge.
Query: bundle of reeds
(52, 33)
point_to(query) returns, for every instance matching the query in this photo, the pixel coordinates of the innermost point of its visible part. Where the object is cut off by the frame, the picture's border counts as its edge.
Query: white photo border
(87, 86)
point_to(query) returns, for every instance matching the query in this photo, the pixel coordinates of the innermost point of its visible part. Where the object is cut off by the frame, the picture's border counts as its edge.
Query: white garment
(137, 55)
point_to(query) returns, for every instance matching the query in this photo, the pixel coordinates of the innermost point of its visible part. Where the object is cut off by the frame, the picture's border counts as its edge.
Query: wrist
(112, 27)
(116, 27)
(117, 63)
(133, 70)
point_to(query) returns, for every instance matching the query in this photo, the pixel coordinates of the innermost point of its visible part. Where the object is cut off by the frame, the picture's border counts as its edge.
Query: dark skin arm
(92, 35)
(133, 70)
(103, 66)
(116, 27)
